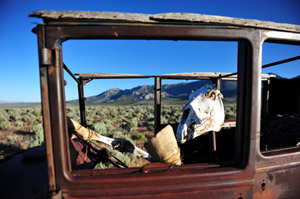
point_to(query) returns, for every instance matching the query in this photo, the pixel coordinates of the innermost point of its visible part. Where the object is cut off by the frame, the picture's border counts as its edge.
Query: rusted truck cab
(249, 165)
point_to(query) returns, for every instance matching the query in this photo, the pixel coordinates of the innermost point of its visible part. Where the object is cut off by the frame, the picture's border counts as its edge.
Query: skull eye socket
(185, 115)
(191, 127)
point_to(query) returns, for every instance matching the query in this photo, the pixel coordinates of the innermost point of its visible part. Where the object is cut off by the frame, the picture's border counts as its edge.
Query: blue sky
(19, 81)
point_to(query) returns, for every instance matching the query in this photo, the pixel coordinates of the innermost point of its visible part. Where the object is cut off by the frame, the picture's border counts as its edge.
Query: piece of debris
(203, 113)
(163, 147)
(117, 143)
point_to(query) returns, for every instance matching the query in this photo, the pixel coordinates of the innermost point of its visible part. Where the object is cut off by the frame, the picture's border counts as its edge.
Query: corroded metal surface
(250, 174)
(46, 110)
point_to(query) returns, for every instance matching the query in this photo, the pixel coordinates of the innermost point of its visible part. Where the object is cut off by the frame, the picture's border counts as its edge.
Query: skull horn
(212, 94)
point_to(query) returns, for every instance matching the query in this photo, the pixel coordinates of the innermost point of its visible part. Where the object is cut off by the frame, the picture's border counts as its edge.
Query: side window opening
(280, 129)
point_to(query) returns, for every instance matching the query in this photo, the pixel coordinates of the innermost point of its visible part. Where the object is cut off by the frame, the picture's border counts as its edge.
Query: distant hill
(145, 94)
(21, 105)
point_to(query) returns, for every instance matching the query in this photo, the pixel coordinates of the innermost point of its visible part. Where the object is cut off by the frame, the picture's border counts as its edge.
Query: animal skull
(203, 113)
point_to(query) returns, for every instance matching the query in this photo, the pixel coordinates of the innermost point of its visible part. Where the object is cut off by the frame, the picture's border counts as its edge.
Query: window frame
(282, 158)
(55, 122)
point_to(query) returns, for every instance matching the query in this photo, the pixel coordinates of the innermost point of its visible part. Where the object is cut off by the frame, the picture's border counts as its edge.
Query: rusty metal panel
(188, 178)
(160, 182)
(277, 171)
(277, 184)
(241, 192)
(46, 111)
(57, 34)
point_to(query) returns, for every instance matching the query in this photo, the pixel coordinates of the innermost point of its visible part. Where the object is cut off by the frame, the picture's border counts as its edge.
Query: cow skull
(203, 113)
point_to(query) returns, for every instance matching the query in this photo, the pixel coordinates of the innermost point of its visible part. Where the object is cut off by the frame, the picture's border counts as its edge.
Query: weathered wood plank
(194, 75)
(200, 19)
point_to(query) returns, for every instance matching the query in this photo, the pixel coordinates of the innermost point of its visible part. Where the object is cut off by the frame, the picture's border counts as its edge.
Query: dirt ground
(14, 141)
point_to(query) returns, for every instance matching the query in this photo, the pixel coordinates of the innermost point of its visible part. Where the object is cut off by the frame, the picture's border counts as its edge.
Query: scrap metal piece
(203, 113)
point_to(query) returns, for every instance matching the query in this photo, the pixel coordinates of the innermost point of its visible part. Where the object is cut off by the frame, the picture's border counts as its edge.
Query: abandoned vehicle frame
(252, 170)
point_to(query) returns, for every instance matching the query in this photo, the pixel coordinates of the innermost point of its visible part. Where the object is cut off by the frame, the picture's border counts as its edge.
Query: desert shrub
(38, 139)
(126, 158)
(13, 118)
(150, 126)
(36, 112)
(88, 120)
(120, 134)
(175, 118)
(39, 119)
(129, 138)
(14, 112)
(102, 165)
(150, 118)
(110, 128)
(73, 112)
(140, 136)
(107, 120)
(11, 140)
(130, 124)
(3, 116)
(100, 128)
(117, 134)
(230, 111)
(131, 157)
(5, 125)
(29, 119)
(134, 122)
(164, 120)
(18, 124)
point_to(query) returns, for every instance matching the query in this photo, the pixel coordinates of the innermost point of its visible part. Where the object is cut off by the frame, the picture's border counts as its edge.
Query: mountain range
(144, 94)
